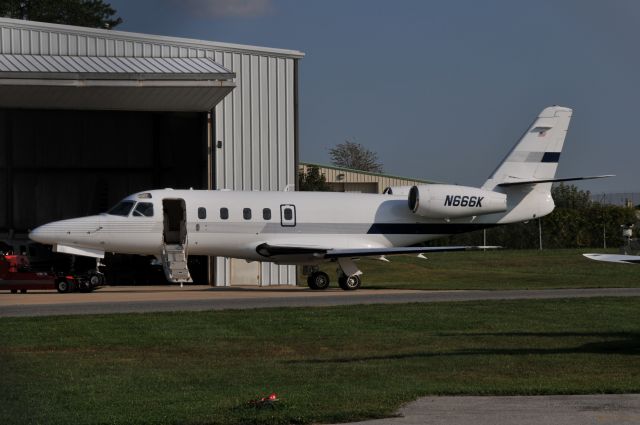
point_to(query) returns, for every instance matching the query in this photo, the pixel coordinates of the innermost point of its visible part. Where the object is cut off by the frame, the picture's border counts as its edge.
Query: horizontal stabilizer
(568, 179)
(612, 258)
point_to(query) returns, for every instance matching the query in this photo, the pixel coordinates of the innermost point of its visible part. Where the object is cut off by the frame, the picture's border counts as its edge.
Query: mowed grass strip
(326, 364)
(495, 269)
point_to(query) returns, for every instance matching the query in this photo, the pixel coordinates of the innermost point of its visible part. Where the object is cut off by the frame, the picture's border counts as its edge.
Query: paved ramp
(132, 299)
(608, 409)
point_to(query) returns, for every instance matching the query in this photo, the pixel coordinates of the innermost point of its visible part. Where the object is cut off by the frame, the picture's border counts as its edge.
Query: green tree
(312, 180)
(569, 196)
(84, 13)
(355, 156)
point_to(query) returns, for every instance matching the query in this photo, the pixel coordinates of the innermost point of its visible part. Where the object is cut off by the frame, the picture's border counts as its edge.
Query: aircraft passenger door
(288, 215)
(175, 221)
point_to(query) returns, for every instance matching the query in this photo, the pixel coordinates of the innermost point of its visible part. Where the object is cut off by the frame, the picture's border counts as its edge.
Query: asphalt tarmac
(600, 409)
(144, 299)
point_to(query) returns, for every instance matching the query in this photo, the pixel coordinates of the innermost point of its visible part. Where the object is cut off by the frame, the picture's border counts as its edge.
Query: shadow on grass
(624, 344)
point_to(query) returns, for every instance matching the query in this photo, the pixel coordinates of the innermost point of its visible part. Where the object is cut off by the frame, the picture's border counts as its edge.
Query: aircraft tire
(318, 281)
(96, 279)
(349, 283)
(63, 286)
(85, 286)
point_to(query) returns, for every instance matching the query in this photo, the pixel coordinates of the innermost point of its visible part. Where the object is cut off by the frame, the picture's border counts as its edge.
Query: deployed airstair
(174, 249)
(174, 263)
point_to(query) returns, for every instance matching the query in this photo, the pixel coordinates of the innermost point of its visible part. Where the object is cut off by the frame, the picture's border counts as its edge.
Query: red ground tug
(15, 275)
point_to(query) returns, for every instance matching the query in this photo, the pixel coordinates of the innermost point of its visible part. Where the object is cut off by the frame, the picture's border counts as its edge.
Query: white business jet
(308, 228)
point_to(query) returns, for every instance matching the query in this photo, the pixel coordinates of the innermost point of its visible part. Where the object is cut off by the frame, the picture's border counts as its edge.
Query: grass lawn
(326, 364)
(494, 269)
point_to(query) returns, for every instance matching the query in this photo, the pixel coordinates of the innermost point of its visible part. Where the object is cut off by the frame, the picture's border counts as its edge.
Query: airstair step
(175, 264)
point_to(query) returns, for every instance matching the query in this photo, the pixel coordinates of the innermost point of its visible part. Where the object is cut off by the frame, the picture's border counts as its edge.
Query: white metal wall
(255, 123)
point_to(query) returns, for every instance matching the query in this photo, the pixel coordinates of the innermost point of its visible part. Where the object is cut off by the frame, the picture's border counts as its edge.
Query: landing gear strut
(318, 280)
(348, 274)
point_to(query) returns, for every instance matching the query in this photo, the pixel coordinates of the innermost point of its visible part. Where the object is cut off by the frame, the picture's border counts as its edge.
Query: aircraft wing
(612, 258)
(328, 253)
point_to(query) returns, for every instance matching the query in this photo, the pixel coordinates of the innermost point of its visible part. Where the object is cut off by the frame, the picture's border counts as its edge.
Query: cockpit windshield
(143, 209)
(123, 208)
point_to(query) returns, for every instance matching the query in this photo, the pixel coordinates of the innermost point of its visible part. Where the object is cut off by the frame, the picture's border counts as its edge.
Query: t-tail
(529, 169)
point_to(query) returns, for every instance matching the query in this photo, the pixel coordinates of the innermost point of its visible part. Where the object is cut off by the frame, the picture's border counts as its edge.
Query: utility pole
(540, 232)
(604, 222)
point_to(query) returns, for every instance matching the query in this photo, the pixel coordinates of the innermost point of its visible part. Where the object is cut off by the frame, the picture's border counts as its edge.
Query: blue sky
(442, 89)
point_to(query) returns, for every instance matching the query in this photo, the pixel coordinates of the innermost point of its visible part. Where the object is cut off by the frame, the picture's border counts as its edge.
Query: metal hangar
(88, 116)
(342, 179)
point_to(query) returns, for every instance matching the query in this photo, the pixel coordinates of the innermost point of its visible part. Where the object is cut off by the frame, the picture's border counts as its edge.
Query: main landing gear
(348, 276)
(318, 280)
(349, 283)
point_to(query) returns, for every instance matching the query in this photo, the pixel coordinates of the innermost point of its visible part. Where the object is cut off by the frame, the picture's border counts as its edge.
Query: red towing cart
(15, 275)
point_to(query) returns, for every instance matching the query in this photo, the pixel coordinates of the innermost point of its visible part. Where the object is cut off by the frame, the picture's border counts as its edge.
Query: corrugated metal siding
(194, 99)
(255, 123)
(72, 66)
(26, 37)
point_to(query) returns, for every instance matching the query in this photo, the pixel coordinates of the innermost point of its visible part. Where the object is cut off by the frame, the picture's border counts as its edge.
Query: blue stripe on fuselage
(426, 228)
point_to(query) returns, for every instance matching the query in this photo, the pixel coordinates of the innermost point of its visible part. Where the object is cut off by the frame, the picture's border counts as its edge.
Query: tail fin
(536, 155)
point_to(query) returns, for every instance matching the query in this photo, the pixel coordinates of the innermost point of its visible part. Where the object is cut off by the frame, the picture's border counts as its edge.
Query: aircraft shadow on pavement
(623, 344)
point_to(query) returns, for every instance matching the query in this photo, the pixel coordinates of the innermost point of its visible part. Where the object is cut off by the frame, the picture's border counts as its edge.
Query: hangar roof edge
(125, 35)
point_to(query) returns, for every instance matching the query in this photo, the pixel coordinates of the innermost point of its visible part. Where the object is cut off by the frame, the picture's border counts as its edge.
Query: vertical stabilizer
(536, 155)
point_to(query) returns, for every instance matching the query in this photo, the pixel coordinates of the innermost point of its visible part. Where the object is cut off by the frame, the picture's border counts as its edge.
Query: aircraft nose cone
(73, 231)
(39, 234)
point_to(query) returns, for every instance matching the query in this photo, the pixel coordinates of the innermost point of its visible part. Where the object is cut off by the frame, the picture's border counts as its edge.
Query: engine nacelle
(449, 201)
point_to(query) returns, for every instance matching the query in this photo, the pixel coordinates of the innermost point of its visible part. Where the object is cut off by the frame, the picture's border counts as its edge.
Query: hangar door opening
(58, 164)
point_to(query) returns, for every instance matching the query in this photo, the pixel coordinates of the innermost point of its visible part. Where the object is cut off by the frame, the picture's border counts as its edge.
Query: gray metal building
(348, 180)
(88, 116)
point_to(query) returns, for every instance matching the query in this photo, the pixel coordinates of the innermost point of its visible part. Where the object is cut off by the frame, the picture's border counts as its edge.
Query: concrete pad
(619, 409)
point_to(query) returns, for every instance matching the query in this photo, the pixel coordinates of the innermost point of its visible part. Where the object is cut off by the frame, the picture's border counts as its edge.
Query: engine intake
(449, 201)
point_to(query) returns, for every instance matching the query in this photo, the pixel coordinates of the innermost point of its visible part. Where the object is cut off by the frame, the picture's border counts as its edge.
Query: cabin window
(266, 213)
(288, 214)
(246, 213)
(123, 208)
(224, 213)
(143, 209)
(202, 213)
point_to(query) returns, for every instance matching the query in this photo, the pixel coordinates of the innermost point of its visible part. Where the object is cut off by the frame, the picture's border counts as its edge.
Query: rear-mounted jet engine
(449, 201)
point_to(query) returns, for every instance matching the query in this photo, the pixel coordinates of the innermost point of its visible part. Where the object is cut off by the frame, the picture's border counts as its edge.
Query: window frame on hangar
(248, 94)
